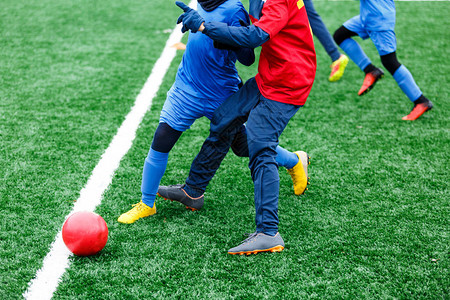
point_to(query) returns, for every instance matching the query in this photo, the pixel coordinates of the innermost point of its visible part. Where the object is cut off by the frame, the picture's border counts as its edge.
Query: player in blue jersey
(205, 78)
(377, 21)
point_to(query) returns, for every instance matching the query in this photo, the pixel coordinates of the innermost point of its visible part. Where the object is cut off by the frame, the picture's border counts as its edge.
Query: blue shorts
(181, 110)
(384, 41)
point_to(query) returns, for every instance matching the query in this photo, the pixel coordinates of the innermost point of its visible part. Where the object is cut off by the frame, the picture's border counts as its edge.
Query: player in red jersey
(267, 102)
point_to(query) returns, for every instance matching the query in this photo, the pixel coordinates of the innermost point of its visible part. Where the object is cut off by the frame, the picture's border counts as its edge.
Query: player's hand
(190, 18)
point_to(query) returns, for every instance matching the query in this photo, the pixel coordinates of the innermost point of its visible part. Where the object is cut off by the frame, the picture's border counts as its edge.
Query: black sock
(369, 68)
(421, 99)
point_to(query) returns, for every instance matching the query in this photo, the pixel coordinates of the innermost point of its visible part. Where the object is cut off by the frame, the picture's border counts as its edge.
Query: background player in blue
(377, 21)
(339, 61)
(205, 78)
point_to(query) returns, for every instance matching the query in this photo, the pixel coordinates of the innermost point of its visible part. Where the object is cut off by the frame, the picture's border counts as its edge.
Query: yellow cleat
(139, 210)
(338, 68)
(299, 173)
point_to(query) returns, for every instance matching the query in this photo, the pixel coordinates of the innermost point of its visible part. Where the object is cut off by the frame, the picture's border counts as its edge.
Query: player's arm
(274, 17)
(255, 8)
(247, 37)
(245, 56)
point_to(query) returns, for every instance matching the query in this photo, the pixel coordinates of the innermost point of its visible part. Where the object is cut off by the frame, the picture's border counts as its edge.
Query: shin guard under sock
(154, 168)
(355, 52)
(406, 83)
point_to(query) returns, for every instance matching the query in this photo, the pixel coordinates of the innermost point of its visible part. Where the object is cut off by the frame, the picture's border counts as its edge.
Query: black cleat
(177, 193)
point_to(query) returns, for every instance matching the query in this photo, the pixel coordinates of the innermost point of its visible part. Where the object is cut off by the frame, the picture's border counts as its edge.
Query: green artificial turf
(70, 71)
(373, 224)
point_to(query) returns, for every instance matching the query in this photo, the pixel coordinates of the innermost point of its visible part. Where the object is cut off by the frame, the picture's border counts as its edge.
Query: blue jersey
(206, 72)
(378, 15)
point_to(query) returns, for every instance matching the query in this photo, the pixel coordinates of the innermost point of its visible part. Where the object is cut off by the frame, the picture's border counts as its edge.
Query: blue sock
(154, 168)
(286, 158)
(356, 53)
(406, 83)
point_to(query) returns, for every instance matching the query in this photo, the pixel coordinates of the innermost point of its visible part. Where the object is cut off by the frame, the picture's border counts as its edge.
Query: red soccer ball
(85, 233)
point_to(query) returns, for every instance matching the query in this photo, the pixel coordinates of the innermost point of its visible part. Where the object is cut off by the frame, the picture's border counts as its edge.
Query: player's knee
(215, 129)
(262, 153)
(165, 138)
(390, 62)
(239, 151)
(341, 34)
(239, 144)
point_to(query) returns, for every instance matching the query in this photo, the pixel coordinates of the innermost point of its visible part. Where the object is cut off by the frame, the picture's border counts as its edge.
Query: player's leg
(320, 31)
(407, 84)
(296, 163)
(343, 37)
(225, 123)
(239, 145)
(203, 168)
(177, 115)
(154, 167)
(156, 162)
(265, 124)
(339, 61)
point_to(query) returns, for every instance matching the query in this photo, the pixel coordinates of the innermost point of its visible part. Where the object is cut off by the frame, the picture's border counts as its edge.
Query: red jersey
(287, 64)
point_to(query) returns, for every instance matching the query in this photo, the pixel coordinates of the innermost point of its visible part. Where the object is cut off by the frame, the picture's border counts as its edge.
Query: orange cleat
(370, 80)
(418, 110)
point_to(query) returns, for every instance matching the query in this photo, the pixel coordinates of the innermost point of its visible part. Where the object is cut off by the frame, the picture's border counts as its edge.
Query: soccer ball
(85, 233)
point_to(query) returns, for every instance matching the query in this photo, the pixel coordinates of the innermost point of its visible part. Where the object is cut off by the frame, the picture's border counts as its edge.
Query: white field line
(57, 260)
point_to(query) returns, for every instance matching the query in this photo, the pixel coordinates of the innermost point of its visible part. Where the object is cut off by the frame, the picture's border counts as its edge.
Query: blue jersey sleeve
(247, 37)
(245, 56)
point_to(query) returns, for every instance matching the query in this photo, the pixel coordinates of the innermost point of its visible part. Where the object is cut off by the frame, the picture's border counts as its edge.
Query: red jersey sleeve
(275, 16)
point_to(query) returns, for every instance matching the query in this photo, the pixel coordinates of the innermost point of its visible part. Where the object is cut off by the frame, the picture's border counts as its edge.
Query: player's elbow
(248, 61)
(246, 56)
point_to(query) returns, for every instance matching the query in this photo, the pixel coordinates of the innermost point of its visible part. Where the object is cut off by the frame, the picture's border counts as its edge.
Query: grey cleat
(177, 193)
(259, 242)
